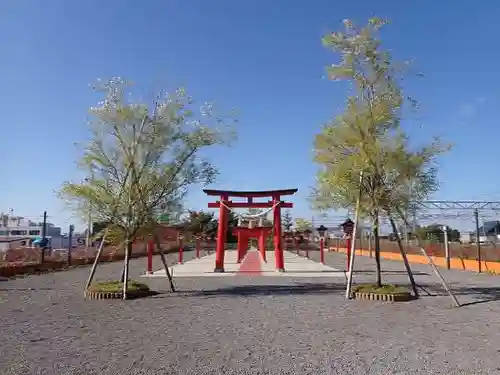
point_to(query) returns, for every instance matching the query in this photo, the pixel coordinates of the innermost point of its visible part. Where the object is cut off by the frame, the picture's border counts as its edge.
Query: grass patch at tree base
(387, 292)
(114, 290)
(116, 286)
(384, 289)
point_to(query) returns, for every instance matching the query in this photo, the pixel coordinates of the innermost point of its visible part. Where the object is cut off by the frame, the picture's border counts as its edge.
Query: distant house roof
(490, 227)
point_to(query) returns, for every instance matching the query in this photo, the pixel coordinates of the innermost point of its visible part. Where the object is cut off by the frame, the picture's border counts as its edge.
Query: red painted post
(278, 243)
(150, 257)
(322, 250)
(348, 245)
(221, 235)
(181, 250)
(240, 249)
(262, 245)
(198, 245)
(244, 244)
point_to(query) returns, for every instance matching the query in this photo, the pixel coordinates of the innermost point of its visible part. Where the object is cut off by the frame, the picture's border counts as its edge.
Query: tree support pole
(405, 258)
(165, 265)
(96, 261)
(432, 264)
(353, 244)
(128, 250)
(348, 244)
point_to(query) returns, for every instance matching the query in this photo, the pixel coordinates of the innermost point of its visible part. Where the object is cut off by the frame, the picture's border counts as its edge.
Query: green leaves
(141, 159)
(339, 72)
(200, 222)
(302, 224)
(368, 136)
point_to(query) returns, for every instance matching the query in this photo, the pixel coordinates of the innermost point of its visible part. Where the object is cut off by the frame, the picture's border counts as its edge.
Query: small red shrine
(224, 204)
(244, 234)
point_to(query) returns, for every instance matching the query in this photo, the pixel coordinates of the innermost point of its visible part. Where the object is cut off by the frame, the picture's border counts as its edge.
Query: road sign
(164, 219)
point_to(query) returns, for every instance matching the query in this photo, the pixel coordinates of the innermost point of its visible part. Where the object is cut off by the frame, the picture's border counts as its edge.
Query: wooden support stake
(96, 260)
(165, 265)
(353, 243)
(126, 262)
(405, 258)
(431, 262)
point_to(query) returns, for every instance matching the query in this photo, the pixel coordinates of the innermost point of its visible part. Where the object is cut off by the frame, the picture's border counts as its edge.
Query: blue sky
(263, 58)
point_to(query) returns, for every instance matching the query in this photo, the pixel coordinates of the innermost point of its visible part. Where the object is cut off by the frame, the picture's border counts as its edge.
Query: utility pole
(478, 243)
(44, 226)
(89, 220)
(89, 228)
(446, 246)
(70, 243)
(414, 223)
(44, 235)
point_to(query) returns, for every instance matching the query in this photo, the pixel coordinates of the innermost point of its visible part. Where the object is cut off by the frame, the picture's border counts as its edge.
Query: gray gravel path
(248, 325)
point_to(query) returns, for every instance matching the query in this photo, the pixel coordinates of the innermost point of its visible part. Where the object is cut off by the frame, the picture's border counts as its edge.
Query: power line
(457, 205)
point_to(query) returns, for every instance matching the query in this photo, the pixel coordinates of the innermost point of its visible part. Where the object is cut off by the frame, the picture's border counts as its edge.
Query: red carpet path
(250, 265)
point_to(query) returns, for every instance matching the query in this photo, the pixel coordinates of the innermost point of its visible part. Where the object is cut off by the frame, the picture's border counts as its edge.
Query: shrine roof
(252, 194)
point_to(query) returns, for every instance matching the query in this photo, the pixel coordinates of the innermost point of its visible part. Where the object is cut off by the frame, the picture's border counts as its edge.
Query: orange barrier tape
(455, 263)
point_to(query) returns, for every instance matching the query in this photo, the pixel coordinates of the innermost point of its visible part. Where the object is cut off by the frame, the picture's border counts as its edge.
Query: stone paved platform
(252, 264)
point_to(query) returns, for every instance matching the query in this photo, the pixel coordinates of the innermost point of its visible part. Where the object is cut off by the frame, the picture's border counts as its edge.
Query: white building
(13, 227)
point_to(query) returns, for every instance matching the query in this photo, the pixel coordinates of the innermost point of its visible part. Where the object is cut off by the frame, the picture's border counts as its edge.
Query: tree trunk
(403, 255)
(377, 249)
(128, 251)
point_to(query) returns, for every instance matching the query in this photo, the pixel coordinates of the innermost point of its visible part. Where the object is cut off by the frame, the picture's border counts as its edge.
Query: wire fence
(462, 242)
(74, 254)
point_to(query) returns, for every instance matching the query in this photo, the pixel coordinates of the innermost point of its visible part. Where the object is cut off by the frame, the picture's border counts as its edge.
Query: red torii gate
(224, 204)
(244, 234)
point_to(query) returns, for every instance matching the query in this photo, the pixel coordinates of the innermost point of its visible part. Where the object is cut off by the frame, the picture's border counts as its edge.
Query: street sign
(348, 226)
(164, 219)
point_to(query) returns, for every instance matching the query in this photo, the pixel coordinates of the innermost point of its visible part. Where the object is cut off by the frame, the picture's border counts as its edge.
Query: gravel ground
(249, 325)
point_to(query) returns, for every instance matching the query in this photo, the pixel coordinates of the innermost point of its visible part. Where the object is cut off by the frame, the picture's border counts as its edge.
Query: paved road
(248, 325)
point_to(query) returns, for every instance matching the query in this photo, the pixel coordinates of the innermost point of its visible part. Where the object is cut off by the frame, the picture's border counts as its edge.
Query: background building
(14, 227)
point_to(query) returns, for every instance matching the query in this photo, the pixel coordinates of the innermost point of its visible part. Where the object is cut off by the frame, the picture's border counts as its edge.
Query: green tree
(365, 147)
(434, 233)
(232, 222)
(287, 221)
(253, 213)
(141, 159)
(303, 224)
(200, 222)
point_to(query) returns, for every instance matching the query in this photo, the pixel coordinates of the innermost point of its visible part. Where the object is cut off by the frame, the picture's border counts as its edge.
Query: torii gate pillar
(221, 235)
(224, 203)
(278, 241)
